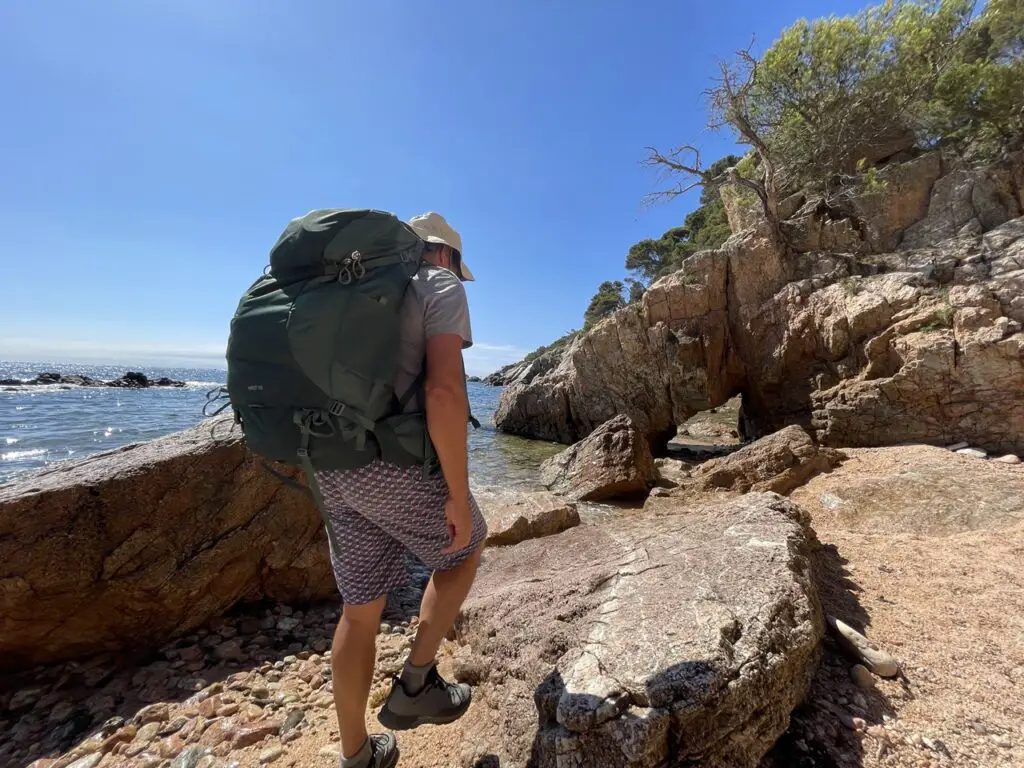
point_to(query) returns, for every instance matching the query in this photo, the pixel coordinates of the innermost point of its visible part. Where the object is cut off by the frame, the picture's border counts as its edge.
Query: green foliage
(561, 341)
(977, 105)
(635, 290)
(833, 91)
(704, 227)
(608, 299)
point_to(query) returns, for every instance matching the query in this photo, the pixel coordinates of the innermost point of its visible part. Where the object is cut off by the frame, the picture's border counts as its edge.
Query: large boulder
(665, 638)
(614, 461)
(862, 348)
(516, 516)
(125, 549)
(779, 462)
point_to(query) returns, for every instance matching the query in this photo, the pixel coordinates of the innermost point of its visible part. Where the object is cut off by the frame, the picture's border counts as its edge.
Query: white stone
(1009, 458)
(270, 754)
(974, 453)
(957, 446)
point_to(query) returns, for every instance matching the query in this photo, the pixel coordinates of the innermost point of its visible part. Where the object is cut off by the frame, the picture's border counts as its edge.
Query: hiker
(380, 511)
(345, 359)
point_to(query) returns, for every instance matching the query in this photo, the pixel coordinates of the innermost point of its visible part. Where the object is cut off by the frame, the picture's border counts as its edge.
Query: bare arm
(447, 412)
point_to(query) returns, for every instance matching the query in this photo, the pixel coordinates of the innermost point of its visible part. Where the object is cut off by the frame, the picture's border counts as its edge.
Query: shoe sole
(391, 762)
(394, 722)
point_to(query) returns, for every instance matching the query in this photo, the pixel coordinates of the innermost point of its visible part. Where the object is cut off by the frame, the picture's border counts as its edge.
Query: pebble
(957, 446)
(287, 625)
(271, 754)
(89, 761)
(1009, 458)
(974, 453)
(173, 727)
(320, 645)
(24, 698)
(290, 736)
(294, 717)
(862, 676)
(330, 751)
(1001, 740)
(207, 762)
(147, 761)
(60, 712)
(245, 737)
(191, 653)
(230, 651)
(147, 733)
(189, 758)
(111, 725)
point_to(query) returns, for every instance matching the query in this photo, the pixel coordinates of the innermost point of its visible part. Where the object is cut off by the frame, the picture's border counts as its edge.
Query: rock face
(683, 637)
(615, 460)
(124, 549)
(525, 370)
(863, 348)
(516, 517)
(780, 462)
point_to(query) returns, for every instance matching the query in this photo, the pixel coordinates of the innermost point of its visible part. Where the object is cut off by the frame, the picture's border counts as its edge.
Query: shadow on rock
(835, 724)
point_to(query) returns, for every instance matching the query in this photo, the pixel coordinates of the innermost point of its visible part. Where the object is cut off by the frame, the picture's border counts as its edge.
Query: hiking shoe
(438, 703)
(383, 751)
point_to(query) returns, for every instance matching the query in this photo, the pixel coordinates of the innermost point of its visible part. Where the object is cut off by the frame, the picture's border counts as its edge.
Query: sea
(42, 426)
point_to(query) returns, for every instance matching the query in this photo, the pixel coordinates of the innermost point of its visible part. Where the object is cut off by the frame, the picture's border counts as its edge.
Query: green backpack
(313, 350)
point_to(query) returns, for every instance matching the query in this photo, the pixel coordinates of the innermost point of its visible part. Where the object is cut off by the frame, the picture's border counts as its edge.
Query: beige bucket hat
(434, 228)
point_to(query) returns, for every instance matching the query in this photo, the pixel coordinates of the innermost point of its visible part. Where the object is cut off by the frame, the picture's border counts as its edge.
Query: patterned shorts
(378, 513)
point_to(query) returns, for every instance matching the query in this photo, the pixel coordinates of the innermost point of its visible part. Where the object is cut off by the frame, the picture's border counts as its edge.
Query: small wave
(20, 455)
(11, 440)
(204, 385)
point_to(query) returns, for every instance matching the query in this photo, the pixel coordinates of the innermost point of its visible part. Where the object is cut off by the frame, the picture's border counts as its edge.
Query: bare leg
(442, 600)
(352, 658)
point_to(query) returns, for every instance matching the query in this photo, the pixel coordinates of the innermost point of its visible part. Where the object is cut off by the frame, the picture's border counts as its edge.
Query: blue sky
(153, 151)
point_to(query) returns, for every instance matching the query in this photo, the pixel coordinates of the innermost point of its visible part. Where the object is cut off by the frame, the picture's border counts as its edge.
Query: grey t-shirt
(434, 304)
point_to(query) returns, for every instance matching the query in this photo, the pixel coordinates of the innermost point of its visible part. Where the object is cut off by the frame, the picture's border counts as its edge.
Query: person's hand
(460, 524)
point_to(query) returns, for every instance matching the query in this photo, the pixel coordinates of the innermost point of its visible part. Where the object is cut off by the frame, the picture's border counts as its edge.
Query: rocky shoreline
(814, 597)
(693, 626)
(130, 380)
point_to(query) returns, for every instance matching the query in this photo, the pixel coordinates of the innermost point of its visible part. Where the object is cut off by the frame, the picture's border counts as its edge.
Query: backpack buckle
(358, 270)
(336, 407)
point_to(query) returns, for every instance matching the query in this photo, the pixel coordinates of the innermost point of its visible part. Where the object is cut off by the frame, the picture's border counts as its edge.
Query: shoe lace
(434, 680)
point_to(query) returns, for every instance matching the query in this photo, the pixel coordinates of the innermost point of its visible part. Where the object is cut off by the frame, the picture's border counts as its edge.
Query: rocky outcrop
(515, 517)
(663, 637)
(131, 380)
(862, 348)
(127, 548)
(526, 371)
(780, 462)
(614, 461)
